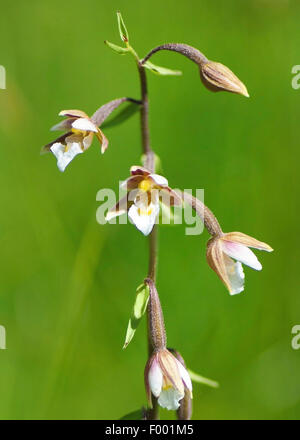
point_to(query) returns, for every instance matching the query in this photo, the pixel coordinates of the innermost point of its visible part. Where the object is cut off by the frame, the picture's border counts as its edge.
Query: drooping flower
(226, 253)
(144, 192)
(80, 133)
(167, 379)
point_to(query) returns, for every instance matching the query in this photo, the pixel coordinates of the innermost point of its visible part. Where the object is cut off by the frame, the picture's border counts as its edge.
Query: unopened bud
(217, 77)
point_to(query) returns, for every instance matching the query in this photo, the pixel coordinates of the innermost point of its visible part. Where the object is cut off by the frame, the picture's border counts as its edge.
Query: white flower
(227, 253)
(167, 379)
(81, 131)
(142, 201)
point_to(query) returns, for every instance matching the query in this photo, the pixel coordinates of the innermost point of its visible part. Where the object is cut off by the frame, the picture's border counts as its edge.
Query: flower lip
(65, 153)
(144, 218)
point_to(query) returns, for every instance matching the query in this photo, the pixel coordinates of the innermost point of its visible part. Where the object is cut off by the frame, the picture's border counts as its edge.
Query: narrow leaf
(158, 70)
(139, 308)
(204, 380)
(120, 50)
(122, 28)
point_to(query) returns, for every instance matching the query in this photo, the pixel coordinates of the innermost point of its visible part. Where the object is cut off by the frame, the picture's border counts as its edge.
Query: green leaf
(120, 50)
(200, 379)
(161, 70)
(122, 28)
(139, 414)
(127, 111)
(139, 308)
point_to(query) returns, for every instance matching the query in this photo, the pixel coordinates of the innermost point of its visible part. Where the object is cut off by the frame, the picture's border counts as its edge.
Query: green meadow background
(68, 284)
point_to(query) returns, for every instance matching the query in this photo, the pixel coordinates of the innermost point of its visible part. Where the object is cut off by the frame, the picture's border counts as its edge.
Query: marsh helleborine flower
(167, 379)
(223, 250)
(81, 131)
(145, 190)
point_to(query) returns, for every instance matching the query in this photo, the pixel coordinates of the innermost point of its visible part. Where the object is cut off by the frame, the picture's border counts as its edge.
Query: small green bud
(122, 28)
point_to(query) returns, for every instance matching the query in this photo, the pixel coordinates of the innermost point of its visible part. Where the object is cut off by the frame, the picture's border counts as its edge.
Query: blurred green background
(68, 284)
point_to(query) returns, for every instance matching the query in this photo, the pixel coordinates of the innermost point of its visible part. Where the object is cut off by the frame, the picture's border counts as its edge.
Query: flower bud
(217, 77)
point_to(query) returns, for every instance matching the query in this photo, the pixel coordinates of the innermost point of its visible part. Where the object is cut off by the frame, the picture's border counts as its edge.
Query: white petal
(169, 398)
(184, 375)
(159, 180)
(65, 157)
(84, 124)
(241, 253)
(143, 221)
(155, 378)
(236, 276)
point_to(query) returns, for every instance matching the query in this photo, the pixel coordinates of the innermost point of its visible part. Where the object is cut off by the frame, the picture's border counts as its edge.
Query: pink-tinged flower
(225, 254)
(167, 379)
(81, 130)
(144, 192)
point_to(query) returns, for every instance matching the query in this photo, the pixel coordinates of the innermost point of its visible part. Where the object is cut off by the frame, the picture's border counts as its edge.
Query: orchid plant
(168, 382)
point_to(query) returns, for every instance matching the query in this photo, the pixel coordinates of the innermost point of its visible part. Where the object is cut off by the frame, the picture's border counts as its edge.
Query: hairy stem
(186, 50)
(152, 414)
